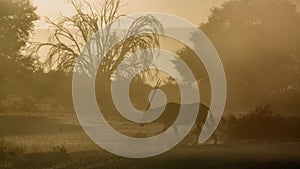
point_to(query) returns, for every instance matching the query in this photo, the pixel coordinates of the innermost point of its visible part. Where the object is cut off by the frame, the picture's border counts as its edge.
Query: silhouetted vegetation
(10, 149)
(72, 33)
(16, 24)
(258, 43)
(59, 149)
(263, 123)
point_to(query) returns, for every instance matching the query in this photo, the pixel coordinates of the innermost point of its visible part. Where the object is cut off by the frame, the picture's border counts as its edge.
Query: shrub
(262, 123)
(10, 149)
(59, 149)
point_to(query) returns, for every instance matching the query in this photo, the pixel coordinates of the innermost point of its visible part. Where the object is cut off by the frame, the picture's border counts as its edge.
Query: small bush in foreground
(59, 149)
(9, 149)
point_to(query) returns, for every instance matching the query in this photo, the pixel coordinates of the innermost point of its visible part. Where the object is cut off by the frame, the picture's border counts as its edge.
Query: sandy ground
(38, 134)
(210, 157)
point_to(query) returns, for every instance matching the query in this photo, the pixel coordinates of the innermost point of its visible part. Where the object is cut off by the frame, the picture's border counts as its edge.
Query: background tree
(258, 42)
(72, 33)
(16, 24)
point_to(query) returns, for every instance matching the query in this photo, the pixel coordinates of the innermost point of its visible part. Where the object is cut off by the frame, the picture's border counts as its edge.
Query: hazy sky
(195, 11)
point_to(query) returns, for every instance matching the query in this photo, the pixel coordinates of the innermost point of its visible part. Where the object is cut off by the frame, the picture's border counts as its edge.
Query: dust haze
(258, 44)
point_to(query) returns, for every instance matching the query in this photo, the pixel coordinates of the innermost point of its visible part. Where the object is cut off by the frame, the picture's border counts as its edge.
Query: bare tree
(70, 34)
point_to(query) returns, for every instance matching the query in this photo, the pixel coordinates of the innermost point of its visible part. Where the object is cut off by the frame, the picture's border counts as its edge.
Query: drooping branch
(70, 34)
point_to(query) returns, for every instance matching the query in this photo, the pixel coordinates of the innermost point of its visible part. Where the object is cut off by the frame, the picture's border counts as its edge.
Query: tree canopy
(70, 34)
(16, 23)
(258, 42)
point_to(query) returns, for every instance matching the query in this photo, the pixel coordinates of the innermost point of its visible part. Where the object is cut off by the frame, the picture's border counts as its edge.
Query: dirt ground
(57, 142)
(207, 157)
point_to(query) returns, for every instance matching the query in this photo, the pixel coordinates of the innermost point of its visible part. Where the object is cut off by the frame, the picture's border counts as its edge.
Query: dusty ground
(236, 157)
(38, 134)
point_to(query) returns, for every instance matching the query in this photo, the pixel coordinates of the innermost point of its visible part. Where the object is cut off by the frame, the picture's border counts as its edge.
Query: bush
(262, 123)
(1, 107)
(59, 149)
(2, 150)
(10, 149)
